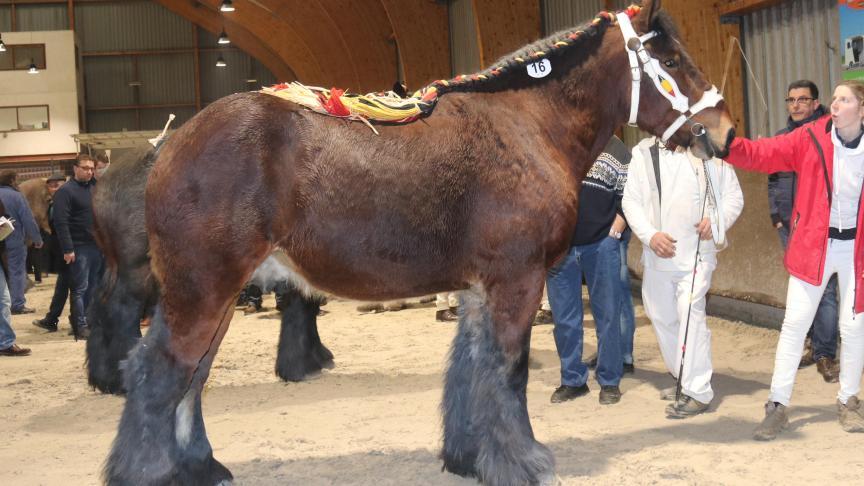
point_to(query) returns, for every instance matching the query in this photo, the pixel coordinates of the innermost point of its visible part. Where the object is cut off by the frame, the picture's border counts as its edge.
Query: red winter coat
(809, 152)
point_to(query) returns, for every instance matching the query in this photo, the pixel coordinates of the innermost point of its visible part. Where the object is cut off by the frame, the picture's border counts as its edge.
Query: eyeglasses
(800, 100)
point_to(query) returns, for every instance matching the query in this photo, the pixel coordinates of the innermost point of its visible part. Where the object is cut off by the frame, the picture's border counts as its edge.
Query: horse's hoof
(549, 480)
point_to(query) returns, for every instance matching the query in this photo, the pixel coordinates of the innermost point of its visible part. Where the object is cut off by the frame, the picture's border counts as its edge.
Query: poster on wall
(852, 38)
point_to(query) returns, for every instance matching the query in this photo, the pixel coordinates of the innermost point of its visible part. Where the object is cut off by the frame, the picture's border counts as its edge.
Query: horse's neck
(587, 106)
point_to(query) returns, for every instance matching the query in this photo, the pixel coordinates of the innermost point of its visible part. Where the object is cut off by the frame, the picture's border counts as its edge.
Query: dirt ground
(374, 419)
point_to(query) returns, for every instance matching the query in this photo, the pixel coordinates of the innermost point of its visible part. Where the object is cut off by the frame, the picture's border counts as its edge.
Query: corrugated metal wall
(5, 18)
(798, 39)
(165, 78)
(464, 50)
(565, 14)
(41, 17)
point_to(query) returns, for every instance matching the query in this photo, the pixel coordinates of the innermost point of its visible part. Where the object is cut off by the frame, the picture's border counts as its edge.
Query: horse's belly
(376, 281)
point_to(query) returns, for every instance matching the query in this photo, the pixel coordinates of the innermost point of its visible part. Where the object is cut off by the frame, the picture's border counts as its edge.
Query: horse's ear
(642, 21)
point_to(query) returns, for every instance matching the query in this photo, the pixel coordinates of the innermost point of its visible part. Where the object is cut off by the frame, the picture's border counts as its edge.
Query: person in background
(7, 335)
(19, 212)
(594, 254)
(61, 286)
(73, 220)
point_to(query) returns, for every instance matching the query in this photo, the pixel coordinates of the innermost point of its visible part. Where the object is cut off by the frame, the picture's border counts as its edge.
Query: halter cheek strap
(640, 61)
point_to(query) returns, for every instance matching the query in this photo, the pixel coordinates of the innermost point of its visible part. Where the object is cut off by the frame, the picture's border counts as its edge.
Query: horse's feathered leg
(300, 352)
(487, 432)
(161, 437)
(114, 318)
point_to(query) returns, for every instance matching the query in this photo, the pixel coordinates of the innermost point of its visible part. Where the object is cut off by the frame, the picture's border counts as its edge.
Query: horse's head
(670, 96)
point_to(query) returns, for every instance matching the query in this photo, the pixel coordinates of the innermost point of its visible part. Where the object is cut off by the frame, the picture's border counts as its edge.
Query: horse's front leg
(300, 352)
(161, 438)
(487, 432)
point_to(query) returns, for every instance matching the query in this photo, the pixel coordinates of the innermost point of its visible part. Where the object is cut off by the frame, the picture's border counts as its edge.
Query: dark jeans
(601, 265)
(83, 277)
(628, 319)
(823, 331)
(58, 301)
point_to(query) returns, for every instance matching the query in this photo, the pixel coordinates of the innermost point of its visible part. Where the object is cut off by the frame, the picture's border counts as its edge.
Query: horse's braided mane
(390, 108)
(557, 44)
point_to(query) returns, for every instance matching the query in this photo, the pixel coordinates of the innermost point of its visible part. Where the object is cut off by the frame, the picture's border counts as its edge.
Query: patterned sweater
(600, 197)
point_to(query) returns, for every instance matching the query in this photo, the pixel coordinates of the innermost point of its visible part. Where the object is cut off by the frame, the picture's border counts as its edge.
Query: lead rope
(692, 286)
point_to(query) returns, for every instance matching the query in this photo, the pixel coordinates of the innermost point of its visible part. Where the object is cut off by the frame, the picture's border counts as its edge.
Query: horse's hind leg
(161, 437)
(487, 432)
(300, 352)
(114, 318)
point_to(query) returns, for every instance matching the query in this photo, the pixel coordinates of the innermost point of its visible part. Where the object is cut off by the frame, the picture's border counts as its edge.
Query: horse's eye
(670, 63)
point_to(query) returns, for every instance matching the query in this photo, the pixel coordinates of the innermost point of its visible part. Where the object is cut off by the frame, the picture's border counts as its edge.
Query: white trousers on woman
(802, 300)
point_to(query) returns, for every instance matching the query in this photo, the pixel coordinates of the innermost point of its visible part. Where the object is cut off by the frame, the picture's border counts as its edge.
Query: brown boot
(850, 415)
(446, 315)
(829, 369)
(807, 358)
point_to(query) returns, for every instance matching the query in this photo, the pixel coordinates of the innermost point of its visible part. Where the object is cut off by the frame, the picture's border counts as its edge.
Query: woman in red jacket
(825, 238)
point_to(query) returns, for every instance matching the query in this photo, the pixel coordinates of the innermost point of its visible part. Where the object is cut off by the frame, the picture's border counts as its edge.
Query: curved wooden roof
(360, 44)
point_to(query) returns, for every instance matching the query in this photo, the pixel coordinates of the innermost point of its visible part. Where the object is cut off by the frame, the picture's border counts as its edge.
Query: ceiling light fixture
(223, 38)
(32, 69)
(227, 6)
(220, 62)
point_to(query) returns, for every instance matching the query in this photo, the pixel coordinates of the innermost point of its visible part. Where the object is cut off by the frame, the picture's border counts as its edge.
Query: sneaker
(668, 394)
(850, 415)
(609, 394)
(23, 310)
(564, 393)
(685, 407)
(15, 350)
(45, 324)
(774, 422)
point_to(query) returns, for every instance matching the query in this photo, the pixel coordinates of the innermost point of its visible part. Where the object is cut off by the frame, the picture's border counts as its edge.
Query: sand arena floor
(373, 420)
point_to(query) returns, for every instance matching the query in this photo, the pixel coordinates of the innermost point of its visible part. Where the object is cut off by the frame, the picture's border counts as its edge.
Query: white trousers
(666, 298)
(802, 300)
(446, 300)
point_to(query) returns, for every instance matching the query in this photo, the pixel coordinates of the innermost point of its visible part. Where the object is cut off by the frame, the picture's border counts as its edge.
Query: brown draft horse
(480, 195)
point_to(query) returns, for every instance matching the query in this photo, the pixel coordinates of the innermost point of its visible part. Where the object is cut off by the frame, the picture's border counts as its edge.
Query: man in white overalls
(672, 208)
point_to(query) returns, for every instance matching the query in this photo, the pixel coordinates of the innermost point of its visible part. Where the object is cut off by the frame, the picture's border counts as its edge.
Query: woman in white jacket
(673, 214)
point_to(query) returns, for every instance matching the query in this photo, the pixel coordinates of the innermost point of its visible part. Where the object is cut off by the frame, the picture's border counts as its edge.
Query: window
(19, 57)
(24, 118)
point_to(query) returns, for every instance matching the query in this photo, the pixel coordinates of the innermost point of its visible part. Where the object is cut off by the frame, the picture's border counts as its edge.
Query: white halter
(663, 81)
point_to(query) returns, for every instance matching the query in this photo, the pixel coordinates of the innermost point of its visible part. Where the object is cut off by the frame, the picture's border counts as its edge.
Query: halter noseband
(640, 61)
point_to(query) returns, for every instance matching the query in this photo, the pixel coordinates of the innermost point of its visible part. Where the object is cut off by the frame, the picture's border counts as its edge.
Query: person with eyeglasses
(73, 220)
(825, 238)
(802, 104)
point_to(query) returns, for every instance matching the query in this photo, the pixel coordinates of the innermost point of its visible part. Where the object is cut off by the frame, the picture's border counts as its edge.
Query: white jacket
(681, 206)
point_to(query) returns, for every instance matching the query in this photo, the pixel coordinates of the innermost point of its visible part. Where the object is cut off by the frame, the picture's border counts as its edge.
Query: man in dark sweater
(802, 103)
(73, 220)
(593, 253)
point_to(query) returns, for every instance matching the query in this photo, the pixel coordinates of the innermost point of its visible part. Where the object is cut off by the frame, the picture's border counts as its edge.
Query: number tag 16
(539, 69)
